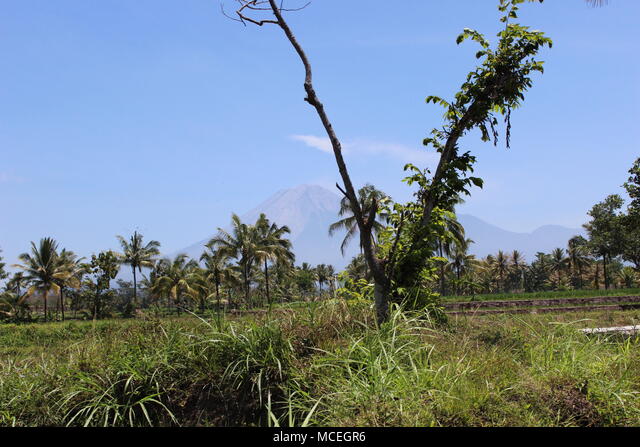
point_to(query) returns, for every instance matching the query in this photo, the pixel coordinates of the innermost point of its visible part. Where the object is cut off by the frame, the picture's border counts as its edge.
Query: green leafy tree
(631, 221)
(104, 267)
(605, 231)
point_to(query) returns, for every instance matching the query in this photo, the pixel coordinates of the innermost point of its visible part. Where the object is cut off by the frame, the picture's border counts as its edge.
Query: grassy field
(540, 295)
(325, 364)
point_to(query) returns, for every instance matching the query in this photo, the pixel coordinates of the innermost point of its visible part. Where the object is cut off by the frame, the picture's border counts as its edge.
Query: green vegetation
(324, 364)
(243, 336)
(547, 294)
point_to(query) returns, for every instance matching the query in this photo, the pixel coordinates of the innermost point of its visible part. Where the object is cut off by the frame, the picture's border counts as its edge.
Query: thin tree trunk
(365, 223)
(604, 270)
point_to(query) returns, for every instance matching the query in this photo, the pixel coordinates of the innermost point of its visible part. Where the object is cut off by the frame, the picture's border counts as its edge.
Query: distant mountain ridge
(308, 210)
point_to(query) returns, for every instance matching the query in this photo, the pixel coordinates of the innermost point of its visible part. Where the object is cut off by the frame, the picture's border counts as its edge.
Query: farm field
(326, 364)
(542, 295)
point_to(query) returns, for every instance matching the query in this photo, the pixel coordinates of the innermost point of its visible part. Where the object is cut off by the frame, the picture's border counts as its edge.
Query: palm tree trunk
(62, 303)
(44, 295)
(266, 276)
(579, 276)
(135, 289)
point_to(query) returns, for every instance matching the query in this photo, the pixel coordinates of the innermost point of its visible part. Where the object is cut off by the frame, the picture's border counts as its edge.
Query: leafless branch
(247, 8)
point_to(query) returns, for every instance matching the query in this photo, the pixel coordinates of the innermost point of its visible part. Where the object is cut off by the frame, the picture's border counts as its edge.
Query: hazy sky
(165, 116)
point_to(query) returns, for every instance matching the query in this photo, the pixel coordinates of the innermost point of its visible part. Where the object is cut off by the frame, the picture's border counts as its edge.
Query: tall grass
(325, 364)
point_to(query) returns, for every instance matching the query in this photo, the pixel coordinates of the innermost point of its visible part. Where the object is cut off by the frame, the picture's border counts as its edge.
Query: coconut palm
(518, 265)
(579, 256)
(137, 255)
(501, 268)
(240, 244)
(3, 273)
(453, 235)
(368, 196)
(627, 277)
(17, 282)
(271, 246)
(177, 278)
(70, 263)
(357, 268)
(461, 263)
(323, 275)
(216, 266)
(558, 264)
(42, 270)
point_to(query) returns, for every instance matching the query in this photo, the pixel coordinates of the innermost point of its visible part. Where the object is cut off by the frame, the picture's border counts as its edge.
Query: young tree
(104, 267)
(496, 87)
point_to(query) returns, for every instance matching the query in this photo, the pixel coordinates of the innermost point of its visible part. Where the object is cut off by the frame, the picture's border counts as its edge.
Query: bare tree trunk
(365, 223)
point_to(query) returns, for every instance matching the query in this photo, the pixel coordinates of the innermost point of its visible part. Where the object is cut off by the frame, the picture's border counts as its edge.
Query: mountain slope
(308, 210)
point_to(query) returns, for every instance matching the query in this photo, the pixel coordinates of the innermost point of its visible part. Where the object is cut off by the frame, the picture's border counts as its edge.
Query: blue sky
(165, 116)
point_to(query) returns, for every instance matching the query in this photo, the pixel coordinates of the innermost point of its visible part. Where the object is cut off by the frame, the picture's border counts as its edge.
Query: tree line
(250, 266)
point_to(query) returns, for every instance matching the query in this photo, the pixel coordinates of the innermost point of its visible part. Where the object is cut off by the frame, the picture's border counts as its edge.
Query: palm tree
(271, 246)
(368, 196)
(43, 270)
(216, 264)
(72, 265)
(177, 279)
(357, 268)
(558, 264)
(461, 262)
(501, 268)
(17, 283)
(579, 257)
(240, 244)
(518, 265)
(3, 274)
(137, 255)
(323, 274)
(453, 236)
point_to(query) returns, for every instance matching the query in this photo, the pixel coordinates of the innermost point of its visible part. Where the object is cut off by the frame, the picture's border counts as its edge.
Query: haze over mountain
(308, 210)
